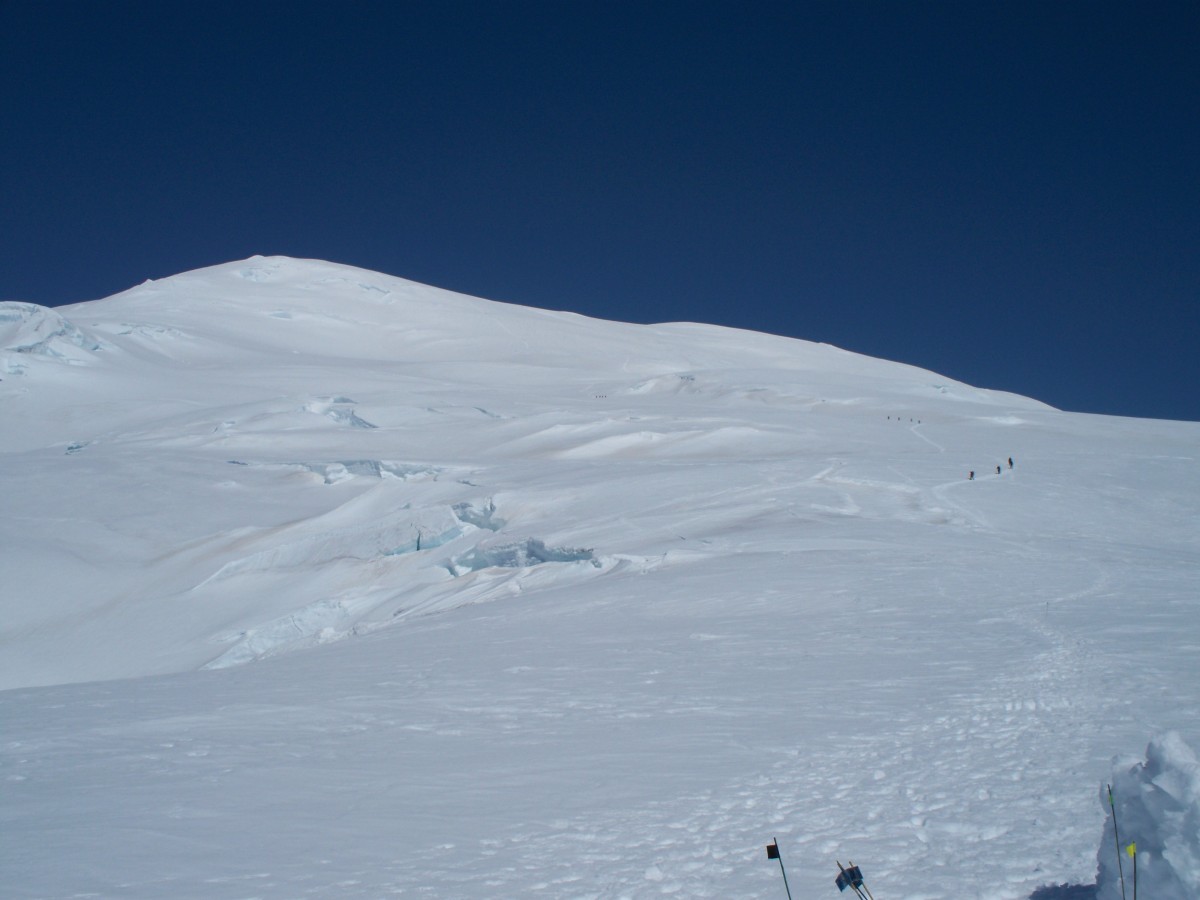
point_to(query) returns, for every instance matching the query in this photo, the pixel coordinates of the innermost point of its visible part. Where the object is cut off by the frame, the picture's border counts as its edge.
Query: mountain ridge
(357, 312)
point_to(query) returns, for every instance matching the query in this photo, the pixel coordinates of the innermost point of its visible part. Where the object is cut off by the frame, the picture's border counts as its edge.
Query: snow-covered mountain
(587, 609)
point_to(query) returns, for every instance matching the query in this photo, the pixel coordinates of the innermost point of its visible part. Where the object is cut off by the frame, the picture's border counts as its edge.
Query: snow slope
(587, 609)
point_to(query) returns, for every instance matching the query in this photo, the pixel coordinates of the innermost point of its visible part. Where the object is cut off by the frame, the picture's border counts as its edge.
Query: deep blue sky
(1007, 193)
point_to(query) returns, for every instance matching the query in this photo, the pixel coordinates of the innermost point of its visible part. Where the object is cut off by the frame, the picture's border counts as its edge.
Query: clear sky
(1007, 193)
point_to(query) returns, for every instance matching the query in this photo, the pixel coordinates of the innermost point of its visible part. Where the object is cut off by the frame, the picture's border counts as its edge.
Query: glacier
(321, 582)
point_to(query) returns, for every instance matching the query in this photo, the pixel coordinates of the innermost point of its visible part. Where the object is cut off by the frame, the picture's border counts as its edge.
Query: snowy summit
(320, 582)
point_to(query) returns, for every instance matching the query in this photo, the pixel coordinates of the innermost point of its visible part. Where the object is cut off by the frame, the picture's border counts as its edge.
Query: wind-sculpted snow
(374, 565)
(339, 536)
(341, 470)
(341, 410)
(28, 330)
(323, 583)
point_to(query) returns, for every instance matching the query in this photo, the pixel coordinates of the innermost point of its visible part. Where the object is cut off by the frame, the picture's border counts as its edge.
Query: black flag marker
(773, 853)
(851, 877)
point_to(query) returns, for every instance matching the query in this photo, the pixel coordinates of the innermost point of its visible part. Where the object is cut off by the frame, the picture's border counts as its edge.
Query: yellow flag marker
(1132, 849)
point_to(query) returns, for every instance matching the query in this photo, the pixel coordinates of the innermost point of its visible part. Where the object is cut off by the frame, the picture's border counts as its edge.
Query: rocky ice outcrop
(28, 330)
(1157, 817)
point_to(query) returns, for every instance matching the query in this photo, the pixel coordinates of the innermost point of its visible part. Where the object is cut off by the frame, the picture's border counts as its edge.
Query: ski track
(916, 429)
(969, 513)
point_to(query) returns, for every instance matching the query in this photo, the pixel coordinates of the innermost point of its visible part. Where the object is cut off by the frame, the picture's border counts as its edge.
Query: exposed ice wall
(28, 330)
(1158, 812)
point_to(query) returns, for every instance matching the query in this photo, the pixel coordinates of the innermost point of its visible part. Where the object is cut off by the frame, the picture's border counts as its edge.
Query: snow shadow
(1065, 892)
(519, 555)
(341, 470)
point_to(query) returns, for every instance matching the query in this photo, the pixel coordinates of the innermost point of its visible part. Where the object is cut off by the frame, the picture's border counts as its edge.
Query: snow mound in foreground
(1157, 814)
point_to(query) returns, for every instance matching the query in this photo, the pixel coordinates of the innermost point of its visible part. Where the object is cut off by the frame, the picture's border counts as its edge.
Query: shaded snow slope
(539, 605)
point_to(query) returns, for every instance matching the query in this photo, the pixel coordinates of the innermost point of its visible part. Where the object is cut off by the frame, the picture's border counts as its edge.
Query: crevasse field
(316, 582)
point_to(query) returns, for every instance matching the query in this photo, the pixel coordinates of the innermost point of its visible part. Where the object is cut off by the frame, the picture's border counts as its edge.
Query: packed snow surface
(319, 582)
